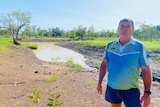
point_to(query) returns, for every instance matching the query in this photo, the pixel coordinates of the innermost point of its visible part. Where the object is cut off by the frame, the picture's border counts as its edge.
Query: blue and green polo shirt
(124, 63)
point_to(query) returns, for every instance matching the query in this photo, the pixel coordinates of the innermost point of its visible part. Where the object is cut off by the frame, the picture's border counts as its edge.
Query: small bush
(35, 95)
(53, 100)
(33, 46)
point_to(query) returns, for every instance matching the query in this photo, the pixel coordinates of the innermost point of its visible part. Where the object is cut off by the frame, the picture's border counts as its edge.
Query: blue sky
(102, 14)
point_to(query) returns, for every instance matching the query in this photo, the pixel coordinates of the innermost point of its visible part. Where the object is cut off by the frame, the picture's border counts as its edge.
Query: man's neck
(124, 40)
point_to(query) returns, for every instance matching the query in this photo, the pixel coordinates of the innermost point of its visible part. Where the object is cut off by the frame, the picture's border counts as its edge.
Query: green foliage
(35, 95)
(74, 67)
(14, 22)
(144, 31)
(31, 46)
(53, 100)
(4, 42)
(51, 78)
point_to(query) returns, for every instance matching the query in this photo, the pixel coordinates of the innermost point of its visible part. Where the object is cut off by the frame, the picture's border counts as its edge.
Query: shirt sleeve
(149, 58)
(105, 56)
(144, 57)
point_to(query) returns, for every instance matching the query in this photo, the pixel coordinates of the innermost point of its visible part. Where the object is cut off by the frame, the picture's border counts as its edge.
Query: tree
(4, 32)
(81, 31)
(56, 32)
(14, 22)
(40, 32)
(27, 31)
(90, 32)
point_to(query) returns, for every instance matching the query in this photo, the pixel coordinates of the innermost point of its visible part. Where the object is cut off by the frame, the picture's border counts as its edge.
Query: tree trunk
(15, 41)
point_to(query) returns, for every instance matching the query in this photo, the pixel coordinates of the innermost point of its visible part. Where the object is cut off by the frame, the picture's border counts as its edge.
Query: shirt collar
(131, 41)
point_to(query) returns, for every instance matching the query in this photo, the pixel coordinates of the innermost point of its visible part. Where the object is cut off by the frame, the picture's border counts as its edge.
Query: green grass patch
(97, 42)
(51, 78)
(152, 46)
(4, 42)
(74, 67)
(46, 38)
(31, 46)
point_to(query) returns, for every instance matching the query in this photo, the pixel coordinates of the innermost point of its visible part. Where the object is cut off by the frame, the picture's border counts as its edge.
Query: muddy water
(48, 51)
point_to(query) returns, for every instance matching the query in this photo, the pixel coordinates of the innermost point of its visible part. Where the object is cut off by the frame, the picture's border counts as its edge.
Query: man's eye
(124, 26)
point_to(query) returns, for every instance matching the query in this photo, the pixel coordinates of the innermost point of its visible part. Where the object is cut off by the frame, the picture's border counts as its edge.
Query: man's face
(125, 29)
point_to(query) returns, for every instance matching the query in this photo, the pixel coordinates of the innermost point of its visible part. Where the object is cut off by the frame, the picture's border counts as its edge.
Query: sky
(69, 14)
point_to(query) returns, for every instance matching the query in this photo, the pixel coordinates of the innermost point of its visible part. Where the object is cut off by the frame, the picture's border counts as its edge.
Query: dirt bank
(20, 71)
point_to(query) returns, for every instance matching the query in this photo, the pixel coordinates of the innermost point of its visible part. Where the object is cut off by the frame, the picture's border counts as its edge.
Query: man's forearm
(102, 71)
(147, 78)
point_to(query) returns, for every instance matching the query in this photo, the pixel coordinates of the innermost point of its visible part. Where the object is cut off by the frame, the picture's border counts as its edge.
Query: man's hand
(99, 88)
(145, 100)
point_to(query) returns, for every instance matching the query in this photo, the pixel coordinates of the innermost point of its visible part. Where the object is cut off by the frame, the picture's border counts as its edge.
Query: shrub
(33, 46)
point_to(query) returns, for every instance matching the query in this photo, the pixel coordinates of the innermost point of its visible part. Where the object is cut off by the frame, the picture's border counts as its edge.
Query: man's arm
(147, 80)
(102, 73)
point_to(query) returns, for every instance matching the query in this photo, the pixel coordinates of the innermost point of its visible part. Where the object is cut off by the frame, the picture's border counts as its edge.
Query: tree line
(17, 25)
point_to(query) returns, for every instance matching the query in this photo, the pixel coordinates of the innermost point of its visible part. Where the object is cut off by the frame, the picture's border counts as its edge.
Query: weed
(53, 100)
(35, 95)
(51, 78)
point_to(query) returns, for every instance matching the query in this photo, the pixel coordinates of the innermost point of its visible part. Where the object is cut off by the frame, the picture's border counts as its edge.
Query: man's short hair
(127, 20)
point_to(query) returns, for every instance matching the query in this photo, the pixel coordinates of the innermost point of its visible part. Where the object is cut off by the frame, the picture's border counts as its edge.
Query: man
(123, 60)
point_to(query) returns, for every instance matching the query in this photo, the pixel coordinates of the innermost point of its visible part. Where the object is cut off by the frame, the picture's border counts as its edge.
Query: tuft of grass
(73, 67)
(90, 83)
(31, 46)
(51, 78)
